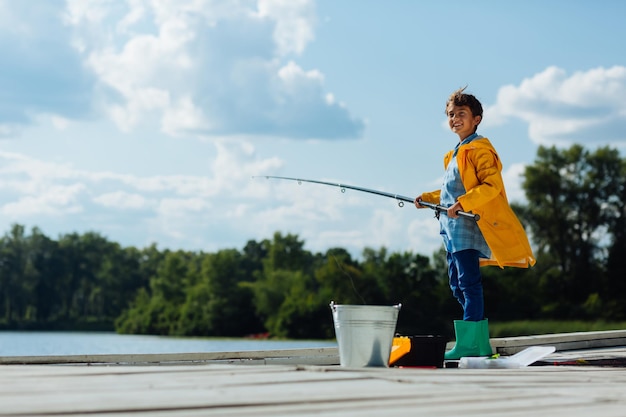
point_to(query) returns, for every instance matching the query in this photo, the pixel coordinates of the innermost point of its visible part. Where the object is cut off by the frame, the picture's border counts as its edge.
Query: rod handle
(440, 208)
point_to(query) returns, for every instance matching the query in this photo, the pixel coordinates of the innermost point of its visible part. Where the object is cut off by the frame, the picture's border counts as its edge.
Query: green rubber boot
(472, 339)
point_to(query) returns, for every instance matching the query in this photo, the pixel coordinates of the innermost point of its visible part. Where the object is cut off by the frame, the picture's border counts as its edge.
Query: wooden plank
(285, 390)
(321, 356)
(561, 341)
(612, 356)
(307, 356)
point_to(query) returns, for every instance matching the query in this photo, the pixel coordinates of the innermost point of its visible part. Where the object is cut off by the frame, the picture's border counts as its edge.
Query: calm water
(13, 343)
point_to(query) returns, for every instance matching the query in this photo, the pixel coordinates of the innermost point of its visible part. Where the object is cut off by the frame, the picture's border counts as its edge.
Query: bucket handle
(333, 306)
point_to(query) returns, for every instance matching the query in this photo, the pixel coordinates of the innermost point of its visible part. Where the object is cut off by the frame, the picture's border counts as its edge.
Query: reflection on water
(15, 343)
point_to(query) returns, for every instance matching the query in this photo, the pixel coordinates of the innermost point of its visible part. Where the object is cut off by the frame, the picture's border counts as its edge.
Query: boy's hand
(453, 209)
(417, 201)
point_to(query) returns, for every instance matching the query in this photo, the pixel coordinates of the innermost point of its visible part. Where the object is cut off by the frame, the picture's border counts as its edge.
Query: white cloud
(184, 115)
(586, 107)
(193, 67)
(8, 129)
(41, 72)
(513, 178)
(385, 226)
(294, 79)
(93, 12)
(56, 200)
(180, 207)
(178, 211)
(205, 67)
(424, 234)
(121, 200)
(295, 22)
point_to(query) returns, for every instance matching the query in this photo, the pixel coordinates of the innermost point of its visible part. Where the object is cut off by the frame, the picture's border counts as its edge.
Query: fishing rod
(399, 198)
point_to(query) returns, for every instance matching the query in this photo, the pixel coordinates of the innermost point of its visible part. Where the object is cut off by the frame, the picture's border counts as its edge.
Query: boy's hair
(459, 98)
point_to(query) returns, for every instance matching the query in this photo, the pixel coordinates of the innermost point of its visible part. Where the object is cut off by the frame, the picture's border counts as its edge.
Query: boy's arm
(487, 183)
(432, 197)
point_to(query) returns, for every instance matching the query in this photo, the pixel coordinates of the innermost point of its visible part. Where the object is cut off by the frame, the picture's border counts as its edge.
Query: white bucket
(364, 333)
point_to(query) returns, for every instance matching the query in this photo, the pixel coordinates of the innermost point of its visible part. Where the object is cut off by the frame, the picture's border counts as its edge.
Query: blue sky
(144, 120)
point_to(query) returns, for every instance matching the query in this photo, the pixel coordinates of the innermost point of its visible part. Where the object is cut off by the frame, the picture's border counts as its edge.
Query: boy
(473, 182)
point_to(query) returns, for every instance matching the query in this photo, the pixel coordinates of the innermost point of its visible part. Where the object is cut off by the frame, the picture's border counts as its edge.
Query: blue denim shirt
(461, 233)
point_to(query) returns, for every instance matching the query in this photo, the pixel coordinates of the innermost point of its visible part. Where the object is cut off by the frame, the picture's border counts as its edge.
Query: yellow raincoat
(480, 169)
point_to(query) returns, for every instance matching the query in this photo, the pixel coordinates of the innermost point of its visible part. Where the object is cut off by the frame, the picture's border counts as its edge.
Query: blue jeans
(466, 283)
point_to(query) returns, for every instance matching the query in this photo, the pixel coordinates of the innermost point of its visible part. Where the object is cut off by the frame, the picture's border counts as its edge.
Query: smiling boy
(473, 182)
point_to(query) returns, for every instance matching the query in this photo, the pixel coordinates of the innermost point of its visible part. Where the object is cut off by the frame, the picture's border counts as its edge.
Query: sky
(146, 121)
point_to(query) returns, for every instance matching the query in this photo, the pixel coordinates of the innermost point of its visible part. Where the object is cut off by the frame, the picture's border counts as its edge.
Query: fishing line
(349, 276)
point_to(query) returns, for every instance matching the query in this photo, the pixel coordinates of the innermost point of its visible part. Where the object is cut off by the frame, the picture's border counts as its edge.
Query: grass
(528, 327)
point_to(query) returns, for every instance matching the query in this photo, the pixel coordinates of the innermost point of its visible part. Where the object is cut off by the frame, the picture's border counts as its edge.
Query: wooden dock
(275, 384)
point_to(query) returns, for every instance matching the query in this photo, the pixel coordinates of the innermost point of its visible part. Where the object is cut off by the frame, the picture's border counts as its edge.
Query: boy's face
(461, 120)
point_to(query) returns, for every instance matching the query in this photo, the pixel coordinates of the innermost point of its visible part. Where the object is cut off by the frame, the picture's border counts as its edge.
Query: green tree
(339, 278)
(47, 265)
(157, 310)
(568, 191)
(411, 281)
(218, 304)
(285, 286)
(16, 275)
(615, 288)
(119, 278)
(84, 256)
(374, 281)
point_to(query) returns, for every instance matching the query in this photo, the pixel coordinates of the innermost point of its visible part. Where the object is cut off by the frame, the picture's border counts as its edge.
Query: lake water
(16, 343)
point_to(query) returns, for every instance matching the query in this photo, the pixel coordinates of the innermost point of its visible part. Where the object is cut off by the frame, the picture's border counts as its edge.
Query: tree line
(575, 216)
